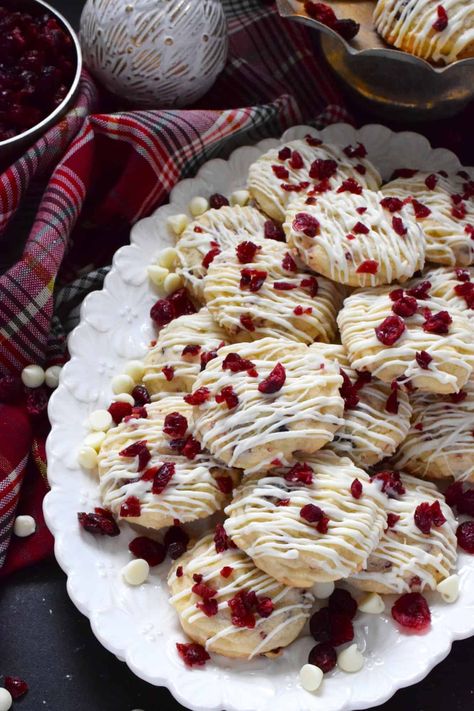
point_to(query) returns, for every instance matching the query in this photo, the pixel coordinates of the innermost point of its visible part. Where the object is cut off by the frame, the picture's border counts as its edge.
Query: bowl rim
(49, 119)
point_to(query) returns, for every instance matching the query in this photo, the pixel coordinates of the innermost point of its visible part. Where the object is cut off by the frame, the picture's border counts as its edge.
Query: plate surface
(139, 625)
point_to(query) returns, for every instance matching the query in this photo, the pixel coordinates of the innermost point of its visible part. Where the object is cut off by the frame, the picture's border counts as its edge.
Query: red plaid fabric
(117, 169)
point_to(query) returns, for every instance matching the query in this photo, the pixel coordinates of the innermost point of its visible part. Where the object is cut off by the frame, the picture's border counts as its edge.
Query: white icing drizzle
(291, 607)
(265, 186)
(443, 283)
(195, 329)
(404, 552)
(408, 25)
(289, 548)
(444, 447)
(271, 310)
(303, 415)
(446, 239)
(337, 251)
(453, 353)
(192, 492)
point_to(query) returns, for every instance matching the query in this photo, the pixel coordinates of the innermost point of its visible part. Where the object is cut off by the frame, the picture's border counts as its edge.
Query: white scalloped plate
(137, 624)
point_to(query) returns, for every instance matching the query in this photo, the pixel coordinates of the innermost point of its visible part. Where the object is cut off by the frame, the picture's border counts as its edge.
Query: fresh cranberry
(222, 542)
(274, 381)
(438, 323)
(405, 307)
(10, 389)
(163, 477)
(192, 654)
(442, 20)
(390, 330)
(140, 450)
(465, 536)
(246, 251)
(16, 686)
(252, 279)
(175, 305)
(421, 211)
(322, 169)
(342, 602)
(99, 523)
(423, 359)
(369, 266)
(299, 473)
(391, 483)
(356, 489)
(198, 397)
(324, 656)
(216, 201)
(237, 364)
(153, 552)
(229, 396)
(307, 224)
(273, 231)
(119, 410)
(130, 508)
(392, 204)
(411, 610)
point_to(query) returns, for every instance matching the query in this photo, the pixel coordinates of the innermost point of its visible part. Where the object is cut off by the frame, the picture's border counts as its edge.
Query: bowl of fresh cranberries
(40, 67)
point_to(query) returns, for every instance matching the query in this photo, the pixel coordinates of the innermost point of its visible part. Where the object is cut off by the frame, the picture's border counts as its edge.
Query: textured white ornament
(156, 53)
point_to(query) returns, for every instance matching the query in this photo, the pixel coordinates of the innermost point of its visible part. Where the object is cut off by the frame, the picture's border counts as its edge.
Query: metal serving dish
(388, 81)
(19, 142)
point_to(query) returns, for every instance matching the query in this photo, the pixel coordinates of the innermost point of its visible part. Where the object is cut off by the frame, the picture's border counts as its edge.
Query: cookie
(439, 33)
(228, 605)
(349, 236)
(211, 233)
(306, 164)
(270, 295)
(455, 286)
(444, 208)
(152, 471)
(315, 522)
(409, 558)
(376, 419)
(440, 443)
(182, 348)
(262, 401)
(408, 335)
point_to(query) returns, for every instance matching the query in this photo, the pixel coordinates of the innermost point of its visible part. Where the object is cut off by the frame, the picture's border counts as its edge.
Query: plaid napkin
(112, 170)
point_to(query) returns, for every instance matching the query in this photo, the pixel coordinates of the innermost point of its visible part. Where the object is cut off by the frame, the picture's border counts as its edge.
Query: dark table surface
(44, 639)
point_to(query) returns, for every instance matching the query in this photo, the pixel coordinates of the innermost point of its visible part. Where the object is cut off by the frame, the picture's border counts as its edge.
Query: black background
(45, 640)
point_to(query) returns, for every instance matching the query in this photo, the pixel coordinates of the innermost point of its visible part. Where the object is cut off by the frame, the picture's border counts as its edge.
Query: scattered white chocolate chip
(372, 603)
(94, 440)
(310, 677)
(178, 223)
(51, 376)
(33, 376)
(198, 206)
(87, 457)
(100, 420)
(322, 591)
(122, 384)
(449, 588)
(168, 258)
(24, 526)
(124, 397)
(157, 274)
(136, 572)
(6, 700)
(135, 369)
(240, 197)
(172, 283)
(350, 659)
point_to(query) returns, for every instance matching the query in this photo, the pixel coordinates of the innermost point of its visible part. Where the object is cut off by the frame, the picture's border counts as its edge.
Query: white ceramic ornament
(156, 53)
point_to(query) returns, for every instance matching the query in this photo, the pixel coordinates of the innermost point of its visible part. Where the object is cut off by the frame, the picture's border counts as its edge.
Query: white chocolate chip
(122, 384)
(157, 274)
(310, 677)
(135, 369)
(240, 197)
(6, 700)
(124, 397)
(449, 588)
(94, 440)
(87, 458)
(168, 258)
(24, 526)
(100, 420)
(350, 659)
(323, 590)
(372, 603)
(172, 283)
(198, 206)
(136, 572)
(51, 376)
(178, 223)
(33, 376)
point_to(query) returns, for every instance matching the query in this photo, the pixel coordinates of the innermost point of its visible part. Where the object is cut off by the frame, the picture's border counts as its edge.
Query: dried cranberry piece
(280, 172)
(252, 279)
(462, 275)
(191, 448)
(273, 231)
(329, 626)
(176, 541)
(284, 153)
(356, 489)
(207, 357)
(192, 654)
(236, 364)
(163, 477)
(284, 286)
(350, 186)
(242, 606)
(421, 211)
(369, 266)
(99, 523)
(307, 224)
(119, 410)
(16, 686)
(11, 389)
(313, 141)
(208, 607)
(225, 484)
(210, 256)
(216, 201)
(175, 305)
(431, 181)
(226, 571)
(438, 323)
(420, 291)
(322, 169)
(140, 450)
(392, 204)
(390, 330)
(392, 519)
(152, 551)
(357, 151)
(175, 425)
(348, 392)
(198, 397)
(403, 173)
(360, 229)
(168, 372)
(465, 536)
(453, 493)
(391, 483)
(141, 395)
(459, 211)
(246, 251)
(362, 170)
(299, 473)
(342, 602)
(313, 514)
(192, 350)
(274, 381)
(203, 590)
(288, 263)
(399, 226)
(222, 541)
(423, 359)
(411, 610)
(442, 20)
(427, 515)
(405, 307)
(229, 396)
(466, 291)
(296, 161)
(392, 404)
(265, 606)
(458, 397)
(321, 12)
(464, 500)
(324, 656)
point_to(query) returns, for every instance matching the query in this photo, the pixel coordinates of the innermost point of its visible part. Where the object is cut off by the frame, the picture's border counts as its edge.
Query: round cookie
(455, 286)
(305, 164)
(440, 443)
(265, 400)
(417, 26)
(215, 231)
(433, 349)
(181, 349)
(166, 476)
(271, 296)
(444, 207)
(376, 420)
(407, 559)
(348, 236)
(248, 612)
(304, 525)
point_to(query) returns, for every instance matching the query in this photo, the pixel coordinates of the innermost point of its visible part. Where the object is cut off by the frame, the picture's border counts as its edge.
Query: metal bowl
(392, 83)
(22, 140)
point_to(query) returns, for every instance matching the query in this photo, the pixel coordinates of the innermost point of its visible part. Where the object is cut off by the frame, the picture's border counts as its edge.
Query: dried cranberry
(348, 392)
(299, 473)
(454, 493)
(405, 307)
(16, 686)
(296, 162)
(392, 403)
(312, 141)
(265, 606)
(391, 483)
(421, 211)
(307, 224)
(175, 305)
(140, 450)
(11, 389)
(163, 477)
(222, 541)
(465, 536)
(342, 602)
(311, 285)
(246, 321)
(207, 357)
(350, 186)
(191, 448)
(274, 381)
(403, 173)
(284, 286)
(236, 364)
(284, 153)
(101, 523)
(225, 484)
(431, 181)
(141, 395)
(229, 396)
(356, 489)
(369, 266)
(466, 291)
(459, 211)
(252, 279)
(198, 397)
(242, 606)
(392, 204)
(423, 359)
(246, 251)
(420, 291)
(175, 425)
(273, 231)
(288, 263)
(176, 541)
(441, 22)
(392, 519)
(210, 256)
(427, 515)
(203, 590)
(438, 323)
(191, 350)
(280, 172)
(192, 654)
(464, 500)
(153, 552)
(130, 508)
(398, 226)
(313, 514)
(329, 626)
(168, 372)
(226, 571)
(216, 201)
(322, 169)
(360, 229)
(411, 610)
(323, 656)
(390, 330)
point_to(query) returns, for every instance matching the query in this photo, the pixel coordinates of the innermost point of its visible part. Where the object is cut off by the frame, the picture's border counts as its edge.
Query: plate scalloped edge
(137, 624)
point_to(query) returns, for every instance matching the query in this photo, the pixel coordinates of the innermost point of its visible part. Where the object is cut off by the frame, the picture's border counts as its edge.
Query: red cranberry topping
(360, 229)
(222, 541)
(330, 626)
(168, 372)
(265, 606)
(179, 571)
(141, 395)
(99, 523)
(420, 291)
(11, 389)
(299, 310)
(119, 410)
(465, 536)
(153, 552)
(217, 201)
(427, 515)
(356, 489)
(130, 507)
(469, 230)
(296, 161)
(391, 483)
(350, 186)
(246, 322)
(140, 450)
(191, 448)
(203, 590)
(226, 571)
(392, 204)
(16, 686)
(198, 229)
(207, 357)
(288, 263)
(192, 350)
(273, 231)
(246, 252)
(392, 404)
(284, 153)
(361, 210)
(396, 294)
(197, 577)
(208, 607)
(242, 607)
(313, 514)
(274, 381)
(438, 323)
(283, 502)
(458, 397)
(311, 285)
(423, 359)
(322, 169)
(324, 656)
(398, 226)
(192, 654)
(463, 499)
(454, 493)
(315, 142)
(342, 603)
(198, 397)
(281, 172)
(390, 330)
(441, 22)
(210, 256)
(466, 291)
(392, 519)
(347, 28)
(405, 307)
(421, 211)
(237, 364)
(137, 414)
(252, 279)
(358, 151)
(459, 211)
(403, 173)
(176, 541)
(284, 286)
(229, 396)
(225, 484)
(369, 266)
(348, 392)
(321, 12)
(307, 224)
(163, 477)
(175, 425)
(299, 473)
(431, 181)
(175, 305)
(411, 610)
(323, 186)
